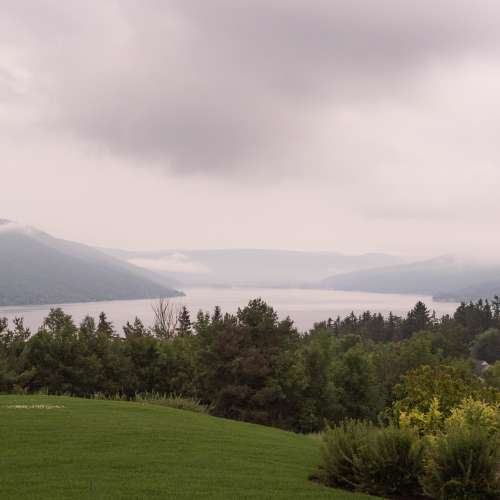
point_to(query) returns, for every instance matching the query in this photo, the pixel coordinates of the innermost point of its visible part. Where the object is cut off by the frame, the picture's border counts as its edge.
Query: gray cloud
(228, 87)
(345, 125)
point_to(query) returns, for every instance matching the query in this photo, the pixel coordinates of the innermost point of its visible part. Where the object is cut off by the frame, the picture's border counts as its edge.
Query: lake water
(305, 307)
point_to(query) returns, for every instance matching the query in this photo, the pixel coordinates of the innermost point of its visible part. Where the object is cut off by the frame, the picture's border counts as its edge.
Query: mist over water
(305, 307)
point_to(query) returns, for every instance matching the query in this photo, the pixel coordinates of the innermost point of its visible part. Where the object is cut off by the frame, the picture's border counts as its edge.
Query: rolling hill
(251, 267)
(445, 278)
(61, 448)
(483, 290)
(36, 268)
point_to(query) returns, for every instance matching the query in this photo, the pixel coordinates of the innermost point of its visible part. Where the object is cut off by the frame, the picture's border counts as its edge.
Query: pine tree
(418, 319)
(137, 329)
(184, 326)
(496, 308)
(217, 315)
(104, 327)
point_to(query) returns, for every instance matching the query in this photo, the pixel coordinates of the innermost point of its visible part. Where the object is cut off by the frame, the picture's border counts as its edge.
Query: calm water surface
(305, 307)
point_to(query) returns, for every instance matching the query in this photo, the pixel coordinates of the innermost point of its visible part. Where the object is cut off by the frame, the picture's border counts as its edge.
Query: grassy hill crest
(67, 448)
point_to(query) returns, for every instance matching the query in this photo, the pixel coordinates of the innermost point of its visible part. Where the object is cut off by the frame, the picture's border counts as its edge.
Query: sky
(345, 125)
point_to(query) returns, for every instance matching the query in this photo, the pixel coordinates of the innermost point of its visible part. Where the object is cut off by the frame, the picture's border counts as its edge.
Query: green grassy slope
(117, 450)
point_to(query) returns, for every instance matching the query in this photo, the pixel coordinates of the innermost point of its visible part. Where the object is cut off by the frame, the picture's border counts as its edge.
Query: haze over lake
(305, 307)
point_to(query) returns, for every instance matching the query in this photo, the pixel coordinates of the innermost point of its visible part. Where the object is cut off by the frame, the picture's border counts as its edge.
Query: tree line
(253, 366)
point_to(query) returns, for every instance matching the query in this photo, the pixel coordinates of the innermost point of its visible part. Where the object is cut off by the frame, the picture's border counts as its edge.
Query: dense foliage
(362, 457)
(443, 409)
(253, 366)
(462, 465)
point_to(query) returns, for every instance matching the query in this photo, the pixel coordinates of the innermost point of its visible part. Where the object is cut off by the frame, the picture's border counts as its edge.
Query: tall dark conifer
(184, 326)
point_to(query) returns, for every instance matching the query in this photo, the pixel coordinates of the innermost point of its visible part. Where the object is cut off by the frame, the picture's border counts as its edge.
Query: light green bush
(424, 422)
(473, 414)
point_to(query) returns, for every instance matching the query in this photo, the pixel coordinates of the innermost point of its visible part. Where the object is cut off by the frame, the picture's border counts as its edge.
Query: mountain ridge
(36, 268)
(250, 267)
(445, 278)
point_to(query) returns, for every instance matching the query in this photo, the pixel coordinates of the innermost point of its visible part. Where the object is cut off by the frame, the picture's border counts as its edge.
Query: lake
(305, 307)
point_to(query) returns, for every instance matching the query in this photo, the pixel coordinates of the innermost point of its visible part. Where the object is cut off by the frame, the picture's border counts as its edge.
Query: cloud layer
(231, 87)
(363, 113)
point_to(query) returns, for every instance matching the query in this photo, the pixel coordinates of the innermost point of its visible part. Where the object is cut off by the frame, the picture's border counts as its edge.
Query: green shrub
(340, 450)
(462, 465)
(391, 463)
(359, 456)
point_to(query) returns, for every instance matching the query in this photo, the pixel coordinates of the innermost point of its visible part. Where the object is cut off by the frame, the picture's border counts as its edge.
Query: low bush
(340, 453)
(391, 463)
(362, 457)
(462, 465)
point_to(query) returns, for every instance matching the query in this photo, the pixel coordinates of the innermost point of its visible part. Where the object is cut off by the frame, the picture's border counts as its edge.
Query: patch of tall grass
(169, 400)
(173, 401)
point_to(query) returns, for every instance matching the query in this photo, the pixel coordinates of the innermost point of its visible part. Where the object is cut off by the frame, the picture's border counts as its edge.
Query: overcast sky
(315, 124)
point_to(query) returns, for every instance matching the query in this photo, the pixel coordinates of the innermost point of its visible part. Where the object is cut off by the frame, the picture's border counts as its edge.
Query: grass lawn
(89, 449)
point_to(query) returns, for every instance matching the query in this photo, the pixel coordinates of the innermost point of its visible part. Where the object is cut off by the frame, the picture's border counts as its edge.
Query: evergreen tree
(104, 327)
(137, 329)
(202, 323)
(184, 325)
(496, 309)
(217, 315)
(418, 319)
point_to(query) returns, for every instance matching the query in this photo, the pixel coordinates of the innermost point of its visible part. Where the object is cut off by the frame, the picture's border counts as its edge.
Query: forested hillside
(444, 278)
(38, 269)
